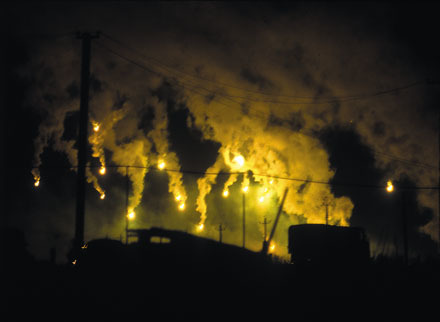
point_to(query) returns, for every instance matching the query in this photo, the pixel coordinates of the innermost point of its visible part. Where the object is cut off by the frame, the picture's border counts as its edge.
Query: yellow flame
(225, 193)
(390, 187)
(239, 159)
(131, 215)
(161, 165)
(271, 247)
(271, 181)
(102, 196)
(178, 197)
(200, 227)
(182, 206)
(96, 126)
(74, 262)
(245, 189)
(102, 170)
(261, 199)
(36, 178)
(84, 246)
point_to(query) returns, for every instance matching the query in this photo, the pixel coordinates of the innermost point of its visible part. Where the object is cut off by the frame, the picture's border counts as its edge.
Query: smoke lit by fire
(259, 142)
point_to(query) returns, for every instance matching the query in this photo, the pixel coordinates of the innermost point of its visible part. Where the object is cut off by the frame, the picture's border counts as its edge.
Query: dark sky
(324, 92)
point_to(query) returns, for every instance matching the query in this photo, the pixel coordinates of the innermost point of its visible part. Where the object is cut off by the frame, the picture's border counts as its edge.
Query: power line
(316, 100)
(415, 163)
(44, 35)
(270, 176)
(260, 114)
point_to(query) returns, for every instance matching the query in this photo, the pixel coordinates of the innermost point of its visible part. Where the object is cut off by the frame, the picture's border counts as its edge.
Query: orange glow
(131, 215)
(96, 126)
(271, 248)
(161, 165)
(102, 196)
(225, 193)
(102, 170)
(178, 197)
(239, 159)
(200, 227)
(390, 187)
(37, 183)
(182, 206)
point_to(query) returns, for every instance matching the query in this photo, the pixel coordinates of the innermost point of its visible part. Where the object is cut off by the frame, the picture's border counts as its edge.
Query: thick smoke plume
(263, 93)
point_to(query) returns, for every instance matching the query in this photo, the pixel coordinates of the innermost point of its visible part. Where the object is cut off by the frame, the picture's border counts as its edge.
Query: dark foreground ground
(164, 288)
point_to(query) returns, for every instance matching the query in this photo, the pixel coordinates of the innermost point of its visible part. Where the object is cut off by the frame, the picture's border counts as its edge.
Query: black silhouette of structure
(324, 245)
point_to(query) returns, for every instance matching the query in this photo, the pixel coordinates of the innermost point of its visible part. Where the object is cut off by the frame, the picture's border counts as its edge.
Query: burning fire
(96, 126)
(102, 171)
(390, 187)
(182, 206)
(36, 177)
(225, 193)
(239, 159)
(161, 165)
(245, 189)
(272, 247)
(131, 215)
(102, 196)
(200, 227)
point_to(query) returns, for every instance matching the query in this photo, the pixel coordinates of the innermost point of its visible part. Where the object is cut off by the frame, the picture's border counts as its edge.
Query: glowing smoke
(270, 138)
(159, 136)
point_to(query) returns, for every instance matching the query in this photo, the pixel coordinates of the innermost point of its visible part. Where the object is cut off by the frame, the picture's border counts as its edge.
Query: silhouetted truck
(318, 245)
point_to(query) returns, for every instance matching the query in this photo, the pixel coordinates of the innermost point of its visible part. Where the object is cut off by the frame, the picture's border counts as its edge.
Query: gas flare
(36, 174)
(161, 165)
(131, 215)
(96, 126)
(239, 160)
(94, 181)
(390, 186)
(159, 137)
(97, 142)
(272, 247)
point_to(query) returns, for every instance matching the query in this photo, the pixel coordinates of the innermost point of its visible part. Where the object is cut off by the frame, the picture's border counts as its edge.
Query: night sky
(292, 95)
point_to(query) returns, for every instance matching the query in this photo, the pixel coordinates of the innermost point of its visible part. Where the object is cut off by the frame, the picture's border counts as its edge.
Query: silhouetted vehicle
(317, 245)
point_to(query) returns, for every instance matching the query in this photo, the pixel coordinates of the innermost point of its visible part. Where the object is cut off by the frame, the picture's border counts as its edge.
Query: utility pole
(244, 219)
(404, 228)
(127, 188)
(82, 138)
(265, 223)
(326, 203)
(437, 82)
(220, 230)
(266, 243)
